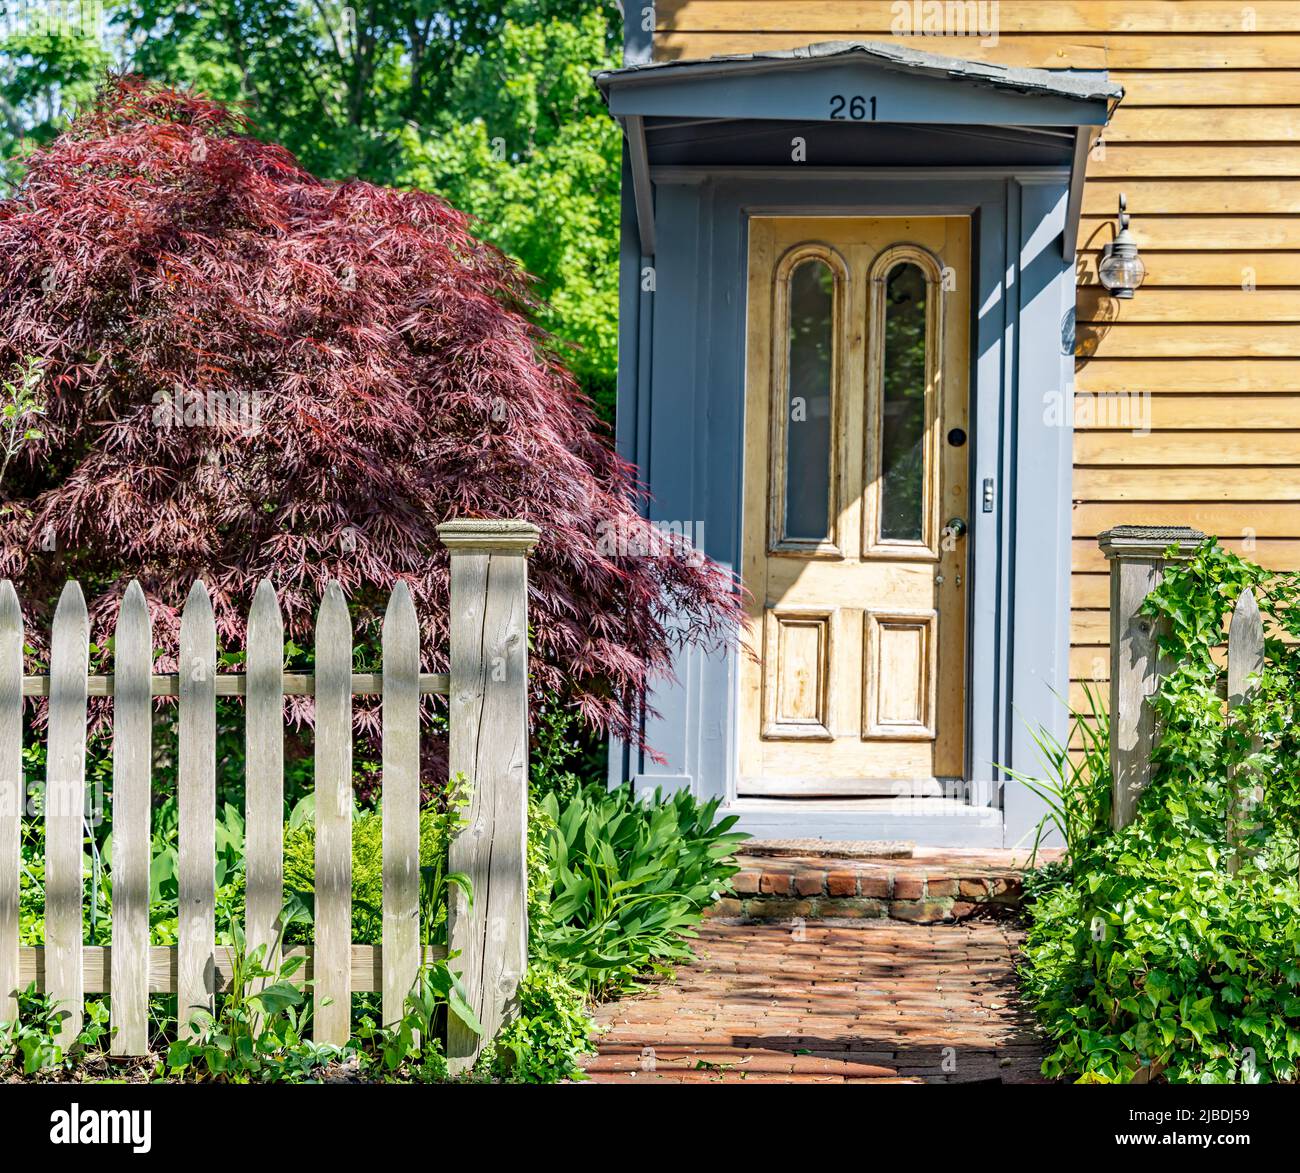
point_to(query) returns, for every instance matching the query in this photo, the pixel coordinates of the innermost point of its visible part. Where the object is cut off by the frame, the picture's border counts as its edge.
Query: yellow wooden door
(856, 464)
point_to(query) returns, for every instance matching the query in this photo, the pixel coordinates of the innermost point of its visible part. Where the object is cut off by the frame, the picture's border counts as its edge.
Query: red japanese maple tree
(250, 372)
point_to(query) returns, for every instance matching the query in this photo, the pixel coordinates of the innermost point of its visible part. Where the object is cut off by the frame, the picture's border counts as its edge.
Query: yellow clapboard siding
(1185, 484)
(1188, 448)
(1233, 268)
(1090, 663)
(1044, 52)
(1090, 590)
(1275, 553)
(1081, 702)
(1138, 409)
(1191, 305)
(881, 17)
(1162, 197)
(1269, 124)
(1266, 519)
(1197, 232)
(1092, 51)
(1210, 159)
(1209, 87)
(1190, 341)
(1089, 627)
(1226, 376)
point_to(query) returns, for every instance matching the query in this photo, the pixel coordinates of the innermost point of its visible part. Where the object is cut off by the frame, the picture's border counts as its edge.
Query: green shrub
(543, 1044)
(630, 881)
(1146, 956)
(439, 823)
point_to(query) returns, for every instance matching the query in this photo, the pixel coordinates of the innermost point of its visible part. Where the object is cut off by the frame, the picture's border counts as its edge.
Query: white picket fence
(487, 691)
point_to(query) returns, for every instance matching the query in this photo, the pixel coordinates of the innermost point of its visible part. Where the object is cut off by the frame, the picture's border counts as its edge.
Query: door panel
(856, 396)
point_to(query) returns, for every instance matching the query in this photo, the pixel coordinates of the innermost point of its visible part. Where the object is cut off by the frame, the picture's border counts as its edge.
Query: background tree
(487, 102)
(248, 372)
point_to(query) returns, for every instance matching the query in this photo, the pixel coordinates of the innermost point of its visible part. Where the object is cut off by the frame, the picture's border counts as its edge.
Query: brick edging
(855, 894)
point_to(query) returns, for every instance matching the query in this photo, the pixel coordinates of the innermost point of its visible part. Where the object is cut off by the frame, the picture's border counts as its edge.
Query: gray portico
(873, 134)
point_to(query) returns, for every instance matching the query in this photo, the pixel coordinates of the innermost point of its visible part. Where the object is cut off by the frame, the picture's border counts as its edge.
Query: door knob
(956, 526)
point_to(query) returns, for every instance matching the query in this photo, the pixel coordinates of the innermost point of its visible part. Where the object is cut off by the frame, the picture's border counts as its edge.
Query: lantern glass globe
(1121, 272)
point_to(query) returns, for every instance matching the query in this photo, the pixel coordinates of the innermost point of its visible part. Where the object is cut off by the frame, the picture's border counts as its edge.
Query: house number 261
(854, 107)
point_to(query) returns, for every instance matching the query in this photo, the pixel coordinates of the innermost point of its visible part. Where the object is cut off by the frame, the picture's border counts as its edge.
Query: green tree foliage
(487, 102)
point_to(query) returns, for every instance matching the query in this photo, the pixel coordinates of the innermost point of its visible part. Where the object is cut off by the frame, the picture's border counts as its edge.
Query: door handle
(956, 526)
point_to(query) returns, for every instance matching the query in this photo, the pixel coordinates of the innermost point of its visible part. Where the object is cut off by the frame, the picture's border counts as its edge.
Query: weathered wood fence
(1138, 557)
(487, 691)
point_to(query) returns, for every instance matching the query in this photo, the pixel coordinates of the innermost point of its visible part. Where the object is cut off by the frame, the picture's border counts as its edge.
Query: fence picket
(65, 803)
(12, 798)
(401, 795)
(1245, 663)
(264, 761)
(197, 783)
(132, 759)
(333, 986)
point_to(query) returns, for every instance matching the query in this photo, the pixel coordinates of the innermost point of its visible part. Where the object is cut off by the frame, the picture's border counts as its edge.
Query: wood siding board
(1118, 52)
(879, 17)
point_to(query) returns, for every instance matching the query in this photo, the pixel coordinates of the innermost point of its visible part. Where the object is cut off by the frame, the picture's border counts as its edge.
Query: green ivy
(1147, 957)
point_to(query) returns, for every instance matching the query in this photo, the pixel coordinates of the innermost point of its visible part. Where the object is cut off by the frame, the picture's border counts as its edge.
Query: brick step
(931, 886)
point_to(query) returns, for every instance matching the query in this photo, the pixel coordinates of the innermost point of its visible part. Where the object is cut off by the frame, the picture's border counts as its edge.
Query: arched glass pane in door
(810, 358)
(902, 425)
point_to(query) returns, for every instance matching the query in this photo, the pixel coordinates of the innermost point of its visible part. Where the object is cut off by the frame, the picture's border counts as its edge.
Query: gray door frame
(681, 420)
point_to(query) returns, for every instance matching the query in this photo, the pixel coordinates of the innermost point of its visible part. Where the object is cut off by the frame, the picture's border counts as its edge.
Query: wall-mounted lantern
(1121, 269)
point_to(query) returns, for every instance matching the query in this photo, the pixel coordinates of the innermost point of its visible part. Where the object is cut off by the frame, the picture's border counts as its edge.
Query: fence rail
(487, 711)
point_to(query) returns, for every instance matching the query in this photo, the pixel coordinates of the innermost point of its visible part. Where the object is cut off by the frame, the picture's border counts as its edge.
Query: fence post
(1137, 563)
(1245, 664)
(488, 716)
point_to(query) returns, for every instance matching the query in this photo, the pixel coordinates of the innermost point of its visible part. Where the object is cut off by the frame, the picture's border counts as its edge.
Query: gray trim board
(642, 189)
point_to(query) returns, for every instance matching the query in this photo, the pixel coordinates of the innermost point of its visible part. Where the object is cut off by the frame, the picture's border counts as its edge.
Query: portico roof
(858, 82)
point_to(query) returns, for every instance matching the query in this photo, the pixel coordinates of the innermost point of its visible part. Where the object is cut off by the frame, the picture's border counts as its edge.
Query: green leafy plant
(630, 880)
(29, 1043)
(411, 1050)
(1151, 959)
(1076, 789)
(439, 824)
(20, 408)
(552, 1029)
(259, 1032)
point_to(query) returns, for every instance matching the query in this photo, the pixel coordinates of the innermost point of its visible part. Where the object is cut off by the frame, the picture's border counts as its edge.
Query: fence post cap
(1149, 541)
(481, 535)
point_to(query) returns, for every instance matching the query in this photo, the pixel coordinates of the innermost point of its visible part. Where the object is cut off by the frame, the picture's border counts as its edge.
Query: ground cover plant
(1147, 958)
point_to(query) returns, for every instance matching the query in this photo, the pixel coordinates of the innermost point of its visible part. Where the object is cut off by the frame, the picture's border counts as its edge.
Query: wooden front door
(854, 548)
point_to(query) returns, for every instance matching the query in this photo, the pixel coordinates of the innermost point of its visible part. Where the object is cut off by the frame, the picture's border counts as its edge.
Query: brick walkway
(876, 1002)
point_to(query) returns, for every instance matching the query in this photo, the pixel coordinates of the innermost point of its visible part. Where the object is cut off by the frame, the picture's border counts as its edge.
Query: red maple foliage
(251, 373)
